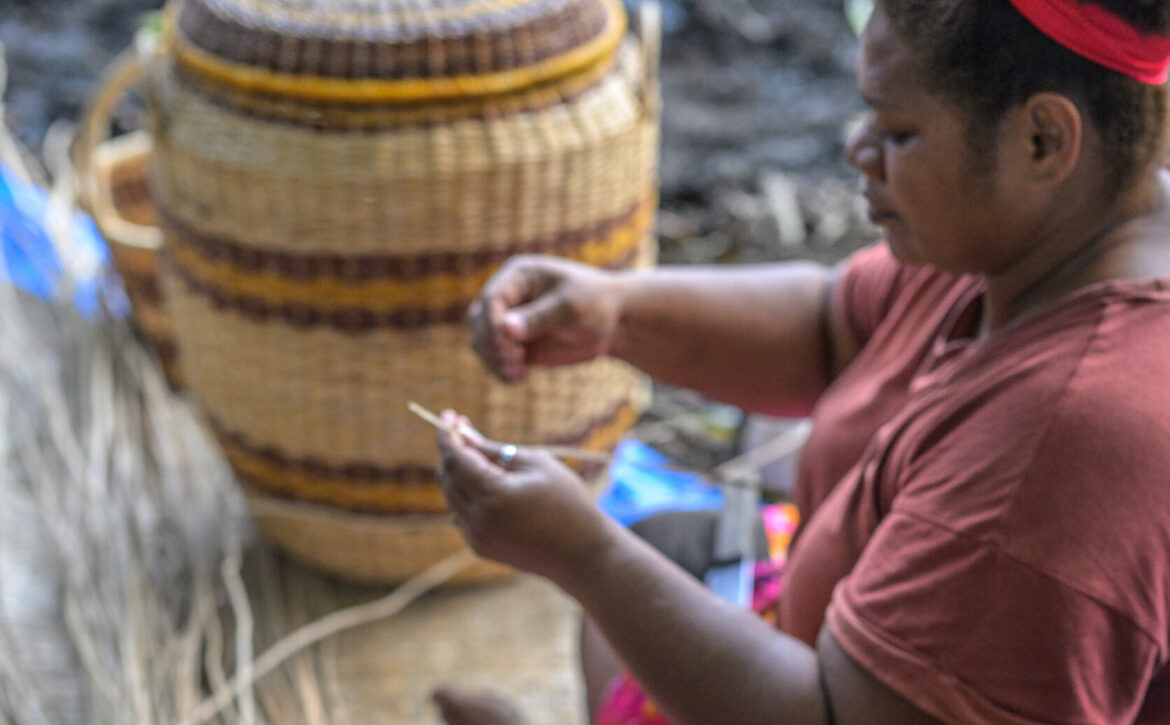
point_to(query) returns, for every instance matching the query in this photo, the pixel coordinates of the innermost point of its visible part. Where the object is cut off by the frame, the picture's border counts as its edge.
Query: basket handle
(123, 73)
(650, 37)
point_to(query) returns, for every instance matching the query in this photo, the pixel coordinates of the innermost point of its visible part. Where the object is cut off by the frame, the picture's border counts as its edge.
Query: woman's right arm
(764, 337)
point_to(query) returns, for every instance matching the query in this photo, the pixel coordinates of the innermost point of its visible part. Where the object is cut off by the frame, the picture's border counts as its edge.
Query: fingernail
(509, 363)
(515, 323)
(451, 419)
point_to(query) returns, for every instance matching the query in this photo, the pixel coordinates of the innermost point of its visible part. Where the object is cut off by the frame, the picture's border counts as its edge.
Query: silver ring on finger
(507, 455)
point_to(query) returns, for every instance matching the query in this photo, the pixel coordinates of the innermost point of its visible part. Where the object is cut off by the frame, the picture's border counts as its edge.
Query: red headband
(1094, 33)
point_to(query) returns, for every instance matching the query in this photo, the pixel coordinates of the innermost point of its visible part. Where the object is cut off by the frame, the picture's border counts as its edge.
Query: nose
(863, 150)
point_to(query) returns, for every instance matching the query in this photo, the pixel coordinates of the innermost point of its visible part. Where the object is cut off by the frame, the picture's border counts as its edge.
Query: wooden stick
(580, 454)
(431, 418)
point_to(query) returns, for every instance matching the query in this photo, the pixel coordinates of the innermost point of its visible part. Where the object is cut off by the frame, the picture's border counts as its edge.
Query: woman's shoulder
(874, 290)
(1054, 449)
(1124, 321)
(1095, 370)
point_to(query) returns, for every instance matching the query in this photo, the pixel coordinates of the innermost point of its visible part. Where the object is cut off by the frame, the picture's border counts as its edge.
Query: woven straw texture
(112, 186)
(127, 219)
(357, 51)
(320, 253)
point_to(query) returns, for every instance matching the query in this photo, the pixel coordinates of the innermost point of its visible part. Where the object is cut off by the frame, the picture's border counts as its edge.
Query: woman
(987, 520)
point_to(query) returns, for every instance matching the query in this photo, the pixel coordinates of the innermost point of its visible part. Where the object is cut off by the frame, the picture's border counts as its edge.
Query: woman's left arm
(700, 658)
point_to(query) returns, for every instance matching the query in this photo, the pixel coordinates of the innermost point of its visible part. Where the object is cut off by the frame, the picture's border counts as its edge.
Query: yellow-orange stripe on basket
(286, 480)
(370, 116)
(383, 295)
(367, 90)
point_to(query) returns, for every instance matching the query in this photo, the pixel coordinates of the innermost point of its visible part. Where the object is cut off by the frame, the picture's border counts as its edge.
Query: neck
(1076, 243)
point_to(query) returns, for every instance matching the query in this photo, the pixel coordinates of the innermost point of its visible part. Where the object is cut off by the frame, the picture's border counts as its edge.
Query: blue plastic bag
(641, 486)
(32, 262)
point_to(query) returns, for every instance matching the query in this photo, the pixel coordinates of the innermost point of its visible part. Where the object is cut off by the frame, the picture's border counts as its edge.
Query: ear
(1051, 129)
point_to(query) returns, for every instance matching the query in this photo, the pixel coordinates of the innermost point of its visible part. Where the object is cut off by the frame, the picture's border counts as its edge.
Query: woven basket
(336, 182)
(112, 175)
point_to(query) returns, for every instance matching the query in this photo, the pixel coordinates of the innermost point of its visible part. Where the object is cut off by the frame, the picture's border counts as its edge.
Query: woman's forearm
(753, 336)
(701, 659)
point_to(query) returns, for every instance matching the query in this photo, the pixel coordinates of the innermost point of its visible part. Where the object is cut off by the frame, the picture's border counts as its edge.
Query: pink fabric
(627, 704)
(1094, 33)
(1000, 551)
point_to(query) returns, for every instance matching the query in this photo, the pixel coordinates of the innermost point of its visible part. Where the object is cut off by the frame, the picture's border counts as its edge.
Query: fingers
(527, 460)
(472, 467)
(529, 321)
(517, 305)
(492, 338)
(505, 348)
(526, 515)
(501, 354)
(463, 708)
(468, 479)
(465, 450)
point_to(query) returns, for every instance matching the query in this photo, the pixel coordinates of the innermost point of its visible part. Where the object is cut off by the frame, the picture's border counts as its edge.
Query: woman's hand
(540, 310)
(535, 515)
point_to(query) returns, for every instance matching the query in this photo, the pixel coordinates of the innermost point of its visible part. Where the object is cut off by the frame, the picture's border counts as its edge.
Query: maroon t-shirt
(990, 519)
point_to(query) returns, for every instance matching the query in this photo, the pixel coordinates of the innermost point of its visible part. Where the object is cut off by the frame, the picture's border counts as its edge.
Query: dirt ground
(758, 95)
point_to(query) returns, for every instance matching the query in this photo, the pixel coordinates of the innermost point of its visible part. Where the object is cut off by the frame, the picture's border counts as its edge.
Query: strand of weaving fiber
(329, 625)
(730, 474)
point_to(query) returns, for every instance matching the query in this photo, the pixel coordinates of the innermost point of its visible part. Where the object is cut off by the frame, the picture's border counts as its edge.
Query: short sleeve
(970, 634)
(867, 285)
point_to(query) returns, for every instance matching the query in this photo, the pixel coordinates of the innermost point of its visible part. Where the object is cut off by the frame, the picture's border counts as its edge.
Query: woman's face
(937, 203)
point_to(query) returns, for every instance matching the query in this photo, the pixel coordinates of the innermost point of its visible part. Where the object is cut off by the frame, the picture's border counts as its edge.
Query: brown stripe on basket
(410, 488)
(359, 268)
(404, 301)
(350, 320)
(142, 288)
(393, 51)
(131, 191)
(353, 118)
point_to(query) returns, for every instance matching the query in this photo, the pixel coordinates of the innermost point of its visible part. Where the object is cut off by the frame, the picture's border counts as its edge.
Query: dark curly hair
(988, 58)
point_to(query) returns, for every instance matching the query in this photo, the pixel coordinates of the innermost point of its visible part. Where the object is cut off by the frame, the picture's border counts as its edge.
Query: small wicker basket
(113, 188)
(336, 180)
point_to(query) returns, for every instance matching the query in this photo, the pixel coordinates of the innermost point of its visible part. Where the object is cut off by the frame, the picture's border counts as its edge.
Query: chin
(914, 255)
(906, 251)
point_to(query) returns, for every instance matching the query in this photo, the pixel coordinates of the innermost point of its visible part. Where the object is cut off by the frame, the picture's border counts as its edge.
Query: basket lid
(374, 51)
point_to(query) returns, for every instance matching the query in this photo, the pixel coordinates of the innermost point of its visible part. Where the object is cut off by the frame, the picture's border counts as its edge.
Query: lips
(878, 210)
(879, 216)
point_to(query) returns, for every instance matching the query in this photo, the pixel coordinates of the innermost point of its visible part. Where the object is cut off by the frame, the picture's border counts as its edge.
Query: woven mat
(516, 638)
